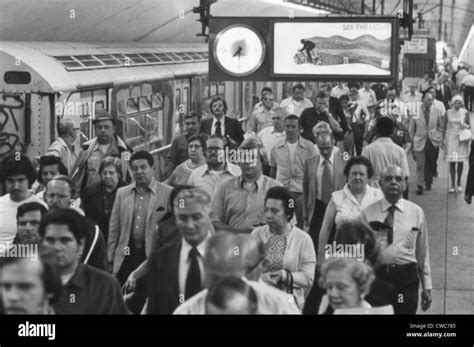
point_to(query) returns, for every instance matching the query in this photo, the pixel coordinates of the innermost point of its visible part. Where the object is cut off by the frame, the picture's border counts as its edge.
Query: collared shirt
(320, 170)
(142, 200)
(290, 168)
(291, 106)
(68, 153)
(8, 221)
(184, 262)
(410, 236)
(213, 128)
(343, 207)
(367, 97)
(269, 138)
(259, 105)
(269, 301)
(91, 291)
(408, 97)
(260, 119)
(383, 152)
(208, 180)
(237, 207)
(337, 92)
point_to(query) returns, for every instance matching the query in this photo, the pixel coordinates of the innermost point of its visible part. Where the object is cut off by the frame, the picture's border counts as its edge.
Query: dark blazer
(98, 257)
(446, 96)
(233, 129)
(93, 206)
(163, 286)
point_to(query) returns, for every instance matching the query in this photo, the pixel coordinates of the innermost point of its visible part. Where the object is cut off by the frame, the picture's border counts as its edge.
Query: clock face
(239, 50)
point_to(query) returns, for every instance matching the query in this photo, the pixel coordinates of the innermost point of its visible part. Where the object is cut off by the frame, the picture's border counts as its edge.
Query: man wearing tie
(403, 240)
(323, 175)
(176, 272)
(221, 125)
(427, 131)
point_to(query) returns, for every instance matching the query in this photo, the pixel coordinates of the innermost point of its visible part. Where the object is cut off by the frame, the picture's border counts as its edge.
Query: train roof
(65, 66)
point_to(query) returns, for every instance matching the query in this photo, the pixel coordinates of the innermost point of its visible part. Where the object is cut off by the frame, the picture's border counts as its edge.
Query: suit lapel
(128, 208)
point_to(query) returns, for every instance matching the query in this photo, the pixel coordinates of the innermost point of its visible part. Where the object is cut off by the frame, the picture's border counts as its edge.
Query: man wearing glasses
(59, 194)
(209, 177)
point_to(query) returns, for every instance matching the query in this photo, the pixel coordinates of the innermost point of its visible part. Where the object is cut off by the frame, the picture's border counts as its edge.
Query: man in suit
(427, 131)
(323, 175)
(221, 125)
(176, 272)
(137, 209)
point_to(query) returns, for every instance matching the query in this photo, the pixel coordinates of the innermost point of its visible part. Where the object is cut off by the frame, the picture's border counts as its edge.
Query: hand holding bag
(289, 287)
(465, 134)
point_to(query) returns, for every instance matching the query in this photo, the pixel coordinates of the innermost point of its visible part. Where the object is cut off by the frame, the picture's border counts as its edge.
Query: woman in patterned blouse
(289, 251)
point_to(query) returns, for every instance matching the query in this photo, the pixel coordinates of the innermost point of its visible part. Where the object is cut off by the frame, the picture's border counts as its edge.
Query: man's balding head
(223, 257)
(325, 145)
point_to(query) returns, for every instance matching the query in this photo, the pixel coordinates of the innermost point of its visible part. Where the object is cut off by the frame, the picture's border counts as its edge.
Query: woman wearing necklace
(289, 251)
(348, 202)
(196, 149)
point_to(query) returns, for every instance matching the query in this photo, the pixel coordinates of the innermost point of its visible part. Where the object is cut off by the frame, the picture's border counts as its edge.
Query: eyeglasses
(60, 196)
(214, 149)
(195, 146)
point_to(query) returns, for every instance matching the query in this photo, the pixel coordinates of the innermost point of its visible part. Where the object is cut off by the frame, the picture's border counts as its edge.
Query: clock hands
(238, 52)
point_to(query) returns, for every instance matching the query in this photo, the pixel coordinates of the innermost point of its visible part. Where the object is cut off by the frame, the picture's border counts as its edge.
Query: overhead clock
(239, 50)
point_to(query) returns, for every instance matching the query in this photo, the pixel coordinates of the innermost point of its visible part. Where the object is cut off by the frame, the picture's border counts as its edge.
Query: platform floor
(451, 241)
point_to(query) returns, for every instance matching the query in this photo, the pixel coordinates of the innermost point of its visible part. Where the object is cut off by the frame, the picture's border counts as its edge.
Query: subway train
(146, 86)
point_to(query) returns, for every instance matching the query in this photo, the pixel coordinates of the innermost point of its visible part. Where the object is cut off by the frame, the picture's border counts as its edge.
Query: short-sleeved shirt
(209, 180)
(291, 106)
(238, 207)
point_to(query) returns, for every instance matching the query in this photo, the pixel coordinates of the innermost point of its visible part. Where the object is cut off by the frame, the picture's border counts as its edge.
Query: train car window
(221, 88)
(99, 106)
(17, 77)
(154, 128)
(135, 130)
(132, 106)
(186, 99)
(145, 103)
(213, 90)
(156, 101)
(206, 91)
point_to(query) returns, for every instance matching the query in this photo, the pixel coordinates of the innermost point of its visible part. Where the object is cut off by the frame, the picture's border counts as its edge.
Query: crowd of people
(303, 210)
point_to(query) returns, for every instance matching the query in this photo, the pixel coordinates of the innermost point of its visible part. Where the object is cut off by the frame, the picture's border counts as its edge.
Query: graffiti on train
(11, 108)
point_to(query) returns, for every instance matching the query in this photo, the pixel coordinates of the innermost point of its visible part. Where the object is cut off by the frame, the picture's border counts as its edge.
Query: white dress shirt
(184, 262)
(213, 128)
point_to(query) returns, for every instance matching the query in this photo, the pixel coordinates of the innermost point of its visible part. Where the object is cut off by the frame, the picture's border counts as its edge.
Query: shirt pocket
(410, 238)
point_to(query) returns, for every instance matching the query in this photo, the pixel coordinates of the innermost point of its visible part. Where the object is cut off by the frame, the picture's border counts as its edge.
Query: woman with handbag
(458, 136)
(290, 259)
